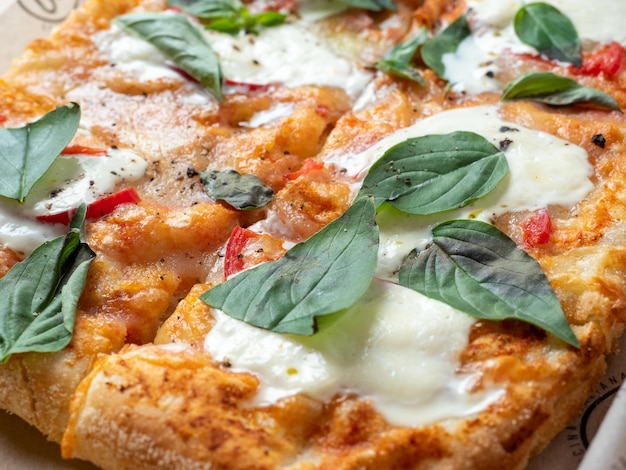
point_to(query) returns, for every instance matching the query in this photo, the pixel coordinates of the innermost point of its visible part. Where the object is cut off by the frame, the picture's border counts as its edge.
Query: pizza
(312, 234)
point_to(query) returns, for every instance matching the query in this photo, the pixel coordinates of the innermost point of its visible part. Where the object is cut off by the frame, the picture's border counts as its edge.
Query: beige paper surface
(21, 21)
(23, 447)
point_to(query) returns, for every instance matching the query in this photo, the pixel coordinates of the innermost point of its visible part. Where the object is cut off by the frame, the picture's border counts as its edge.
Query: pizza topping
(477, 269)
(181, 42)
(27, 152)
(605, 61)
(555, 90)
(288, 294)
(246, 248)
(536, 229)
(83, 150)
(239, 191)
(398, 60)
(436, 172)
(39, 295)
(446, 42)
(599, 140)
(548, 31)
(229, 16)
(99, 208)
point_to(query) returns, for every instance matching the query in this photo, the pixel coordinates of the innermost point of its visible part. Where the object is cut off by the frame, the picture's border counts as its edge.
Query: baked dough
(136, 387)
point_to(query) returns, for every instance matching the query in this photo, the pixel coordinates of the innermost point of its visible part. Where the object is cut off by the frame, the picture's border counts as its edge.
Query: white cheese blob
(289, 54)
(493, 35)
(278, 112)
(70, 181)
(543, 170)
(394, 347)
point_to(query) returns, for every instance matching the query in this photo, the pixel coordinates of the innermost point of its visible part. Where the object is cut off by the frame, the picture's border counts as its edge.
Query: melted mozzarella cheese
(470, 67)
(70, 181)
(395, 347)
(289, 54)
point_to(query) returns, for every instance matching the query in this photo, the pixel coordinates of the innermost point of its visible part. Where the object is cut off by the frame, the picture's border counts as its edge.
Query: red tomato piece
(247, 86)
(3, 119)
(233, 260)
(307, 166)
(96, 209)
(83, 150)
(607, 60)
(537, 228)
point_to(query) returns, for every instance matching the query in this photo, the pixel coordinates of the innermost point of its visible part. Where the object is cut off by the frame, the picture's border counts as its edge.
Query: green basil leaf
(325, 274)
(555, 90)
(38, 296)
(269, 18)
(181, 42)
(374, 5)
(27, 152)
(436, 173)
(477, 269)
(398, 60)
(239, 191)
(229, 16)
(545, 28)
(444, 43)
(208, 9)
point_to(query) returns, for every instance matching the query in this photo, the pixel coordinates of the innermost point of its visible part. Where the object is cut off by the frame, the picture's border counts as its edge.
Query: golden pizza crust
(135, 388)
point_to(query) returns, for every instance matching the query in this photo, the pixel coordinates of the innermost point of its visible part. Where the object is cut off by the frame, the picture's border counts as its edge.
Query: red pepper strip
(536, 228)
(96, 209)
(248, 86)
(607, 60)
(308, 166)
(83, 150)
(233, 259)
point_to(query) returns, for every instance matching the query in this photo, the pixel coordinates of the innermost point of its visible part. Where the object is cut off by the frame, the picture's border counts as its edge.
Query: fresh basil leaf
(325, 274)
(208, 9)
(398, 60)
(181, 42)
(436, 173)
(444, 43)
(555, 90)
(545, 28)
(240, 191)
(27, 152)
(374, 5)
(477, 269)
(230, 16)
(38, 296)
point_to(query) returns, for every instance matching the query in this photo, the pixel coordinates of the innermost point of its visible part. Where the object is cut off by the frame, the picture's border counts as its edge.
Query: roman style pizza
(312, 234)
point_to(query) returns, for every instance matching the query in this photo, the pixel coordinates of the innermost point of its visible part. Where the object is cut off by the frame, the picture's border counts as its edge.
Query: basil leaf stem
(436, 173)
(27, 152)
(39, 295)
(325, 274)
(398, 60)
(444, 43)
(556, 90)
(477, 269)
(545, 28)
(181, 42)
(239, 191)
